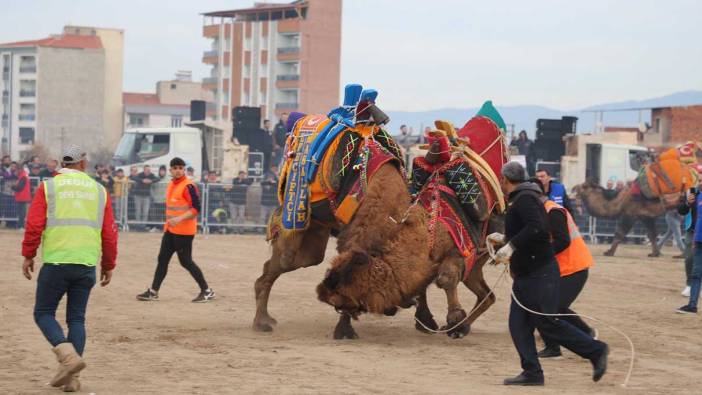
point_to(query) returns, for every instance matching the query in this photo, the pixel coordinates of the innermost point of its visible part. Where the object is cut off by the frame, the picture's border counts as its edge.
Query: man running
(182, 209)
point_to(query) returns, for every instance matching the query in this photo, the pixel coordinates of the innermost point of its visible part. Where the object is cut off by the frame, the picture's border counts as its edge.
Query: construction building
(280, 57)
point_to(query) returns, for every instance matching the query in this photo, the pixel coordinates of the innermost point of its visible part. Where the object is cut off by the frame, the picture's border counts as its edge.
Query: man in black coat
(527, 248)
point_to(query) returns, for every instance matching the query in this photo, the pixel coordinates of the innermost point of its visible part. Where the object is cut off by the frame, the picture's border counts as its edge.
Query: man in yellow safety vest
(71, 217)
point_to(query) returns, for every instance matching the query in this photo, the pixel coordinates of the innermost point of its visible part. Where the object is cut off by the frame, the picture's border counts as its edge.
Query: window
(138, 120)
(176, 121)
(658, 125)
(174, 86)
(148, 146)
(26, 135)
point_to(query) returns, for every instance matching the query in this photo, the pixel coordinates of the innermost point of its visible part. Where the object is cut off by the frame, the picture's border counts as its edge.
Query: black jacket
(526, 227)
(684, 208)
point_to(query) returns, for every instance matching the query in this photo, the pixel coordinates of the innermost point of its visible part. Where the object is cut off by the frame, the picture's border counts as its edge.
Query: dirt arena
(174, 346)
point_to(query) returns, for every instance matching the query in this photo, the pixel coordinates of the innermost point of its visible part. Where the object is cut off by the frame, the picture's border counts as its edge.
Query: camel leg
(650, 224)
(288, 255)
(448, 278)
(624, 225)
(344, 329)
(476, 283)
(423, 314)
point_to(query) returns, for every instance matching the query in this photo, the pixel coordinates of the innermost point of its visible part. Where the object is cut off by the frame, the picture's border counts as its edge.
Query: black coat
(527, 229)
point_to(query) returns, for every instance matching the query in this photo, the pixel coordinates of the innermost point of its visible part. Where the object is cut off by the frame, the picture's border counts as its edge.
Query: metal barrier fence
(244, 208)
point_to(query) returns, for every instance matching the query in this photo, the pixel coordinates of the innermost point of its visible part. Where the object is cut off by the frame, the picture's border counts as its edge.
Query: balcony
(286, 106)
(210, 80)
(27, 117)
(28, 69)
(288, 50)
(211, 53)
(28, 93)
(288, 77)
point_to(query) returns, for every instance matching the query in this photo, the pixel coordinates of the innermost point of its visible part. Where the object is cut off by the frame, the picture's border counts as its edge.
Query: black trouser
(183, 246)
(569, 288)
(689, 238)
(538, 291)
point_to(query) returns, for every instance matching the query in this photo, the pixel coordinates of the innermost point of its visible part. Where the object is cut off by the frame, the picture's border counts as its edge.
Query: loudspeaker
(552, 124)
(246, 122)
(197, 110)
(569, 124)
(549, 134)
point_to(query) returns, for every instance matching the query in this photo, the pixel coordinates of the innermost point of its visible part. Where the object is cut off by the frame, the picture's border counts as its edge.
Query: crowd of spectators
(140, 196)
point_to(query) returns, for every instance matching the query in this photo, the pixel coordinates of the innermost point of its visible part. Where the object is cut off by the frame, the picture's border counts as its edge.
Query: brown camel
(625, 207)
(378, 230)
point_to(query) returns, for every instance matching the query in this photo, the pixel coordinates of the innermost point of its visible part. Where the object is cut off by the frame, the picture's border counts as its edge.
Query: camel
(628, 209)
(373, 233)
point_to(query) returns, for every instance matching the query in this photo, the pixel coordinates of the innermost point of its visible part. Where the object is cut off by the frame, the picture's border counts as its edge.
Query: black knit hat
(177, 162)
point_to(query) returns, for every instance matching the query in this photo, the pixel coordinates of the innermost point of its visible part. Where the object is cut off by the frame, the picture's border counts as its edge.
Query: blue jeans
(674, 222)
(53, 282)
(538, 291)
(696, 274)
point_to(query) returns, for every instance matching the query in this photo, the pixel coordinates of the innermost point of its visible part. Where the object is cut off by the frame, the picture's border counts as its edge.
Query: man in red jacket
(23, 195)
(71, 216)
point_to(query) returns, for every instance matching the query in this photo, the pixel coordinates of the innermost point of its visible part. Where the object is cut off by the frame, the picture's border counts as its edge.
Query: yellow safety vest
(74, 215)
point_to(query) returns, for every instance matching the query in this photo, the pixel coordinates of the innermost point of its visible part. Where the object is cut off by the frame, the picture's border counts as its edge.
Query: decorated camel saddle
(330, 159)
(458, 182)
(668, 176)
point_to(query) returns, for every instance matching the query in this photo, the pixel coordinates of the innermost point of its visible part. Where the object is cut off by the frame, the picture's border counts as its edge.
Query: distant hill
(524, 117)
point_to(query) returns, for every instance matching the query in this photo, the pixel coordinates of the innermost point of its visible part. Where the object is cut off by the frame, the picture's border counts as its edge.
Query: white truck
(200, 144)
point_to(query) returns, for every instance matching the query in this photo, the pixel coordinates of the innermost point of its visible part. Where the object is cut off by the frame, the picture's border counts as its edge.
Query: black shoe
(523, 379)
(550, 352)
(204, 296)
(599, 364)
(148, 296)
(687, 310)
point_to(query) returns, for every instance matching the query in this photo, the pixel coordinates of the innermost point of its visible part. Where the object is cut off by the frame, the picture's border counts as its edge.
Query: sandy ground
(174, 346)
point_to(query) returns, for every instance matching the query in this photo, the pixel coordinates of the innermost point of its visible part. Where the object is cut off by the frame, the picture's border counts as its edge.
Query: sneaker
(148, 296)
(686, 292)
(204, 296)
(550, 352)
(687, 310)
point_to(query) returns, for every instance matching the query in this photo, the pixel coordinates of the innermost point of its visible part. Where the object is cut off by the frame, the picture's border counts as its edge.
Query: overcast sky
(423, 54)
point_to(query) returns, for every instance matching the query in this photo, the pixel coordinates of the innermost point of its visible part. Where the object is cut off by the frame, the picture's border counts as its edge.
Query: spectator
(620, 186)
(269, 198)
(34, 160)
(190, 173)
(694, 204)
(554, 190)
(273, 172)
(522, 143)
(34, 177)
(158, 197)
(237, 202)
(23, 195)
(142, 193)
(121, 183)
(609, 192)
(279, 138)
(131, 206)
(104, 178)
(405, 139)
(689, 210)
(34, 170)
(215, 201)
(268, 143)
(51, 169)
(7, 195)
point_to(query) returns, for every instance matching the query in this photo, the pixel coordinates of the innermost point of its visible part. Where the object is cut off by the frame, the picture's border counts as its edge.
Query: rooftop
(61, 41)
(146, 99)
(294, 8)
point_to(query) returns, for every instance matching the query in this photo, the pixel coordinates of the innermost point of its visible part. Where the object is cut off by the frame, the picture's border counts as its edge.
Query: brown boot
(70, 363)
(73, 385)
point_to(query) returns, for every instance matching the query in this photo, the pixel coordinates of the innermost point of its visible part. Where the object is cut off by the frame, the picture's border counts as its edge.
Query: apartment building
(280, 57)
(61, 89)
(168, 107)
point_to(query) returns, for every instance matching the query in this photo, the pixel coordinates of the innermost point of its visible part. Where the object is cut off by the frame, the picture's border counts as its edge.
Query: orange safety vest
(577, 256)
(177, 205)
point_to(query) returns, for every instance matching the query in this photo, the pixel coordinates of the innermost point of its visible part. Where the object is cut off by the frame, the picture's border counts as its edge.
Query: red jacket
(36, 223)
(22, 189)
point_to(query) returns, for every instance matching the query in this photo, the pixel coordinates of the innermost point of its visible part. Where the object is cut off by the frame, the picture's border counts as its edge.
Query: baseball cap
(72, 155)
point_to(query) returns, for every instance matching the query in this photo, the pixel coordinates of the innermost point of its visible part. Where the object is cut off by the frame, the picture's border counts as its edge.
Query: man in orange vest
(182, 209)
(574, 260)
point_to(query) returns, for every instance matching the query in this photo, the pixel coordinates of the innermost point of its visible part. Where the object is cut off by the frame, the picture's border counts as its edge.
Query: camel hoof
(428, 322)
(345, 333)
(262, 327)
(454, 318)
(608, 253)
(654, 255)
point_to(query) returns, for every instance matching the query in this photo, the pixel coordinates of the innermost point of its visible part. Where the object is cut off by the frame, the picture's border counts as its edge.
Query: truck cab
(157, 146)
(614, 162)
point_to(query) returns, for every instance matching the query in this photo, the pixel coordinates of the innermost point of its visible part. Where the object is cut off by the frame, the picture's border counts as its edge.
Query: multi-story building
(281, 57)
(62, 89)
(671, 126)
(168, 107)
